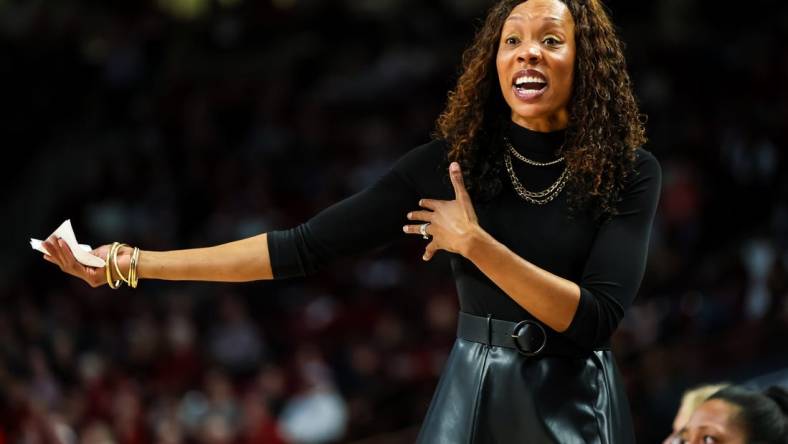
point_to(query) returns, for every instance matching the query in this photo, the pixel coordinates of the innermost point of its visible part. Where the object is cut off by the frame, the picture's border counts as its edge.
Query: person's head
(690, 401)
(736, 415)
(546, 65)
(535, 64)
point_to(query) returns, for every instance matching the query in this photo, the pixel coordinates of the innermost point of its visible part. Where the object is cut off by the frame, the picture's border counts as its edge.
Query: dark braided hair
(605, 125)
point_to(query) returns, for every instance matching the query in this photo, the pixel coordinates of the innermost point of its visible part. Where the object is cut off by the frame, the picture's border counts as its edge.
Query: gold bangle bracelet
(135, 259)
(117, 267)
(136, 267)
(107, 269)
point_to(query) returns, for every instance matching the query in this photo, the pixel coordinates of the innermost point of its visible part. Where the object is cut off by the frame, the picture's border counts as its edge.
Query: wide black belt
(528, 337)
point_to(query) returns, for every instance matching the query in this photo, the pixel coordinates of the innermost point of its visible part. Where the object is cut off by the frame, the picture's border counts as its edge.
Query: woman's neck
(547, 124)
(539, 145)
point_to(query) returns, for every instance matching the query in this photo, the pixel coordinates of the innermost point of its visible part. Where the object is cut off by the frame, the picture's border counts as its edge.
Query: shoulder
(642, 187)
(434, 150)
(423, 166)
(423, 159)
(646, 161)
(647, 168)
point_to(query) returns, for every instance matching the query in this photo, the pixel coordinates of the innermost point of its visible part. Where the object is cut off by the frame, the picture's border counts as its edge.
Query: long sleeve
(369, 219)
(617, 260)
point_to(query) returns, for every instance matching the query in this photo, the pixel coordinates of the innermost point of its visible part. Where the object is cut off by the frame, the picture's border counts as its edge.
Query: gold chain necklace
(539, 197)
(517, 154)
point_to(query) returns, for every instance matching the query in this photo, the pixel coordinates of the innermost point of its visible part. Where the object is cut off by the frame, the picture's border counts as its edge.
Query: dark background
(186, 123)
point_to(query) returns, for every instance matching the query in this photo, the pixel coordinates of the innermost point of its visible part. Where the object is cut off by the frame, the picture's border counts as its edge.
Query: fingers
(426, 216)
(60, 254)
(430, 204)
(95, 276)
(429, 251)
(66, 256)
(432, 247)
(53, 249)
(457, 181)
(415, 229)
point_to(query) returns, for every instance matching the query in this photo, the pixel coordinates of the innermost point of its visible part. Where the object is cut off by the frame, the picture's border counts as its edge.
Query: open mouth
(529, 83)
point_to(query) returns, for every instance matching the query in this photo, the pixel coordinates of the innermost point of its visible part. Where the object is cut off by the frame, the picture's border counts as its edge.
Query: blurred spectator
(735, 414)
(235, 341)
(317, 413)
(690, 401)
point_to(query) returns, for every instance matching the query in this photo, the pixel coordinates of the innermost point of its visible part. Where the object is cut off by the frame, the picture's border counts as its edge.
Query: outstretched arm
(240, 261)
(362, 222)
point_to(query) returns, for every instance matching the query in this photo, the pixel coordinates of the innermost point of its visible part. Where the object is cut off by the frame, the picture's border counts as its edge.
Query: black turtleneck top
(607, 261)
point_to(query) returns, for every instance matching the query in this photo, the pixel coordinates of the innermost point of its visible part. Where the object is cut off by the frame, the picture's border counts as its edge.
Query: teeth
(527, 79)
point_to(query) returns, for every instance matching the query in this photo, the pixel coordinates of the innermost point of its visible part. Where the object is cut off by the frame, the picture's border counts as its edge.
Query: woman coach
(537, 186)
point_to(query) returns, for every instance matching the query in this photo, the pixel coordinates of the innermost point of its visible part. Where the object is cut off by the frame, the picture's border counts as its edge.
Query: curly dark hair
(605, 124)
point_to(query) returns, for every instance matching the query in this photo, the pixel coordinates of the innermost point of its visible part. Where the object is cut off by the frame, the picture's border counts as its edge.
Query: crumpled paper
(81, 251)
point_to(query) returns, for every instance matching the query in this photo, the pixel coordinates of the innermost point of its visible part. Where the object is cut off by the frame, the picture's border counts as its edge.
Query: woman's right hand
(61, 255)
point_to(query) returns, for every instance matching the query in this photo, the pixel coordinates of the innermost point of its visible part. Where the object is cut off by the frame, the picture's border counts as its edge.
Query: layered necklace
(534, 197)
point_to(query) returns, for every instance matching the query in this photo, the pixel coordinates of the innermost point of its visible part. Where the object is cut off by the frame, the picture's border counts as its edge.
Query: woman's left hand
(451, 223)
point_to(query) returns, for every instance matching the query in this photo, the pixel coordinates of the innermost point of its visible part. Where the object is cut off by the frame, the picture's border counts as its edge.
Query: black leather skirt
(496, 394)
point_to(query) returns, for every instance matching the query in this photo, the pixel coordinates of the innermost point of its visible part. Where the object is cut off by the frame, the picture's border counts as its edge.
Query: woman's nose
(530, 53)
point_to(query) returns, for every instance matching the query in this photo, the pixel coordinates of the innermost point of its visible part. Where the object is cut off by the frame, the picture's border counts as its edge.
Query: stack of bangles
(112, 261)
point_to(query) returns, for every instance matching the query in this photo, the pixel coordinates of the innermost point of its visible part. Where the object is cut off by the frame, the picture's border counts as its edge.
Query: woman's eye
(709, 440)
(511, 40)
(551, 41)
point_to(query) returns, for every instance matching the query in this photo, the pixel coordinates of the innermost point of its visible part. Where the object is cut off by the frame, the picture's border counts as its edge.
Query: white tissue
(81, 251)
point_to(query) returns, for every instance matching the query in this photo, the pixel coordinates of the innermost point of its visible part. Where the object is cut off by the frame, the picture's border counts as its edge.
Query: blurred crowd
(183, 123)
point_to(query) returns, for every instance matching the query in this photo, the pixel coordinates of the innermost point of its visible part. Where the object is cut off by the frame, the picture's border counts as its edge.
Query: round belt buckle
(524, 330)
